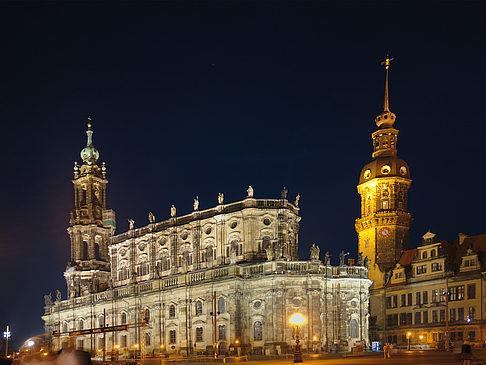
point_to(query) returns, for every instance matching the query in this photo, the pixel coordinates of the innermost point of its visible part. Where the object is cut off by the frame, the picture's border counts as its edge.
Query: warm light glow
(409, 334)
(99, 350)
(117, 346)
(45, 353)
(161, 346)
(237, 342)
(30, 343)
(136, 345)
(297, 319)
(421, 337)
(315, 338)
(372, 184)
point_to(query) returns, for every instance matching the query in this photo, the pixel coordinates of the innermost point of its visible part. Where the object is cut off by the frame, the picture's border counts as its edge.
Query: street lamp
(409, 334)
(297, 320)
(6, 335)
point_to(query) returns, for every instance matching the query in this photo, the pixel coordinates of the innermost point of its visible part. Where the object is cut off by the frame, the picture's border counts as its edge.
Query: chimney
(462, 237)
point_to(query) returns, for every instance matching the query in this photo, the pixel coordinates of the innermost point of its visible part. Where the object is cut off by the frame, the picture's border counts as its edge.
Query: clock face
(385, 232)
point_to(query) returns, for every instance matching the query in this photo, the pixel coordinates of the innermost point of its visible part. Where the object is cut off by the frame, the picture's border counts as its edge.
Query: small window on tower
(385, 204)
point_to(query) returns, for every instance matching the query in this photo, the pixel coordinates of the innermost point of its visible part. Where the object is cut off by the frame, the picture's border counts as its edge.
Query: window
(258, 331)
(417, 298)
(147, 338)
(198, 308)
(124, 341)
(64, 327)
(435, 296)
(353, 328)
(221, 305)
(460, 314)
(453, 314)
(395, 301)
(418, 317)
(101, 321)
(172, 311)
(388, 302)
(456, 293)
(472, 313)
(199, 334)
(442, 315)
(422, 269)
(432, 253)
(124, 318)
(425, 297)
(222, 332)
(437, 266)
(424, 254)
(147, 315)
(172, 336)
(385, 204)
(409, 299)
(143, 269)
(81, 324)
(425, 317)
(435, 319)
(403, 319)
(409, 318)
(471, 291)
(389, 320)
(403, 300)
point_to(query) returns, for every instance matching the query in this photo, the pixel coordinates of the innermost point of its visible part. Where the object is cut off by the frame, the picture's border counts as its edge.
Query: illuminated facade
(227, 276)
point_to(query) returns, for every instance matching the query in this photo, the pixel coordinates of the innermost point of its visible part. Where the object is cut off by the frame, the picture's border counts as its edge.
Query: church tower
(384, 226)
(90, 227)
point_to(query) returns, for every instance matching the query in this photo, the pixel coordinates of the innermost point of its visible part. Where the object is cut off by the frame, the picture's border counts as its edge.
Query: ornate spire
(386, 118)
(90, 154)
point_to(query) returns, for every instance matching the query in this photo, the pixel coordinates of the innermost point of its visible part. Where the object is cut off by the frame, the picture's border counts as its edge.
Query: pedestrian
(466, 353)
(385, 350)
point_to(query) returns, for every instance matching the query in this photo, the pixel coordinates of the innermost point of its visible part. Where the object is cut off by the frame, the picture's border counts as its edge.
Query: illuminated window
(222, 332)
(258, 331)
(172, 336)
(353, 328)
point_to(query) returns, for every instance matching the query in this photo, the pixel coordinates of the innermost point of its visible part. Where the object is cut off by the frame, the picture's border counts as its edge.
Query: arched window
(222, 332)
(221, 305)
(210, 253)
(147, 339)
(147, 315)
(172, 311)
(258, 331)
(353, 328)
(101, 321)
(81, 324)
(124, 318)
(198, 308)
(424, 254)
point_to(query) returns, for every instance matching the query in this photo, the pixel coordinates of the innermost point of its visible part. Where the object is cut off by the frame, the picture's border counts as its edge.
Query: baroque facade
(225, 278)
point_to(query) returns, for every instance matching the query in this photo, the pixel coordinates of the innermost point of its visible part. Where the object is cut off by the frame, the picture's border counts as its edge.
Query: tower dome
(90, 154)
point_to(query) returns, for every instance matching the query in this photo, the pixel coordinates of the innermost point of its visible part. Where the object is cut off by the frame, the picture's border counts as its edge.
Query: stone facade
(227, 277)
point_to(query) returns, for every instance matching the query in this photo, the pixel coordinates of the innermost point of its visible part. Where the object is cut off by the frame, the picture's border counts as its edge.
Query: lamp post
(6, 335)
(409, 334)
(297, 320)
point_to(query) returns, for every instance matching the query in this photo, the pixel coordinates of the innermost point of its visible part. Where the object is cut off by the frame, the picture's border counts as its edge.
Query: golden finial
(386, 63)
(89, 122)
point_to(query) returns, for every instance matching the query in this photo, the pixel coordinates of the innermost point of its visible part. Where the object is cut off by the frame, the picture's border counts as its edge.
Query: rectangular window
(124, 341)
(442, 315)
(425, 317)
(409, 318)
(409, 299)
(199, 334)
(403, 299)
(425, 297)
(147, 339)
(453, 293)
(435, 296)
(472, 313)
(395, 301)
(395, 319)
(460, 293)
(437, 266)
(417, 298)
(389, 320)
(471, 291)
(460, 314)
(388, 302)
(453, 314)
(442, 295)
(435, 318)
(418, 317)
(172, 336)
(403, 319)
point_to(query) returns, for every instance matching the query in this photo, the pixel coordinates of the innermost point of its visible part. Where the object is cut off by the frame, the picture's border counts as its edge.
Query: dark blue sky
(201, 97)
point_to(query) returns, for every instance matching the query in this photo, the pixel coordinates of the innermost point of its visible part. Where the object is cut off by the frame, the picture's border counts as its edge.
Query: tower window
(385, 204)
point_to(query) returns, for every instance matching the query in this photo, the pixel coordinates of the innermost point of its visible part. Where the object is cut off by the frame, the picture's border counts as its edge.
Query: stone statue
(220, 198)
(151, 217)
(157, 270)
(196, 203)
(278, 252)
(48, 300)
(173, 211)
(131, 223)
(296, 202)
(314, 252)
(284, 193)
(342, 257)
(360, 259)
(58, 295)
(250, 192)
(269, 253)
(233, 254)
(365, 262)
(327, 258)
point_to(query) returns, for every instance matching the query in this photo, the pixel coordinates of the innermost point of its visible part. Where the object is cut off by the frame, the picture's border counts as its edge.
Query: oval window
(385, 169)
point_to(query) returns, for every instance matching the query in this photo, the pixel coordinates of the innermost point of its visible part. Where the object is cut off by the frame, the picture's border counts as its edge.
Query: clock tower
(384, 225)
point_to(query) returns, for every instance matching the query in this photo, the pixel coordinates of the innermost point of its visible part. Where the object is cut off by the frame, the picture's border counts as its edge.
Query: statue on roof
(249, 192)
(58, 295)
(173, 211)
(220, 198)
(131, 223)
(314, 252)
(327, 258)
(151, 217)
(359, 262)
(342, 257)
(297, 198)
(284, 193)
(48, 300)
(196, 203)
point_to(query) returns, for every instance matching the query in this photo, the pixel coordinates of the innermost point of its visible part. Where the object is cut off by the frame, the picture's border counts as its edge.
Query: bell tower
(90, 227)
(384, 225)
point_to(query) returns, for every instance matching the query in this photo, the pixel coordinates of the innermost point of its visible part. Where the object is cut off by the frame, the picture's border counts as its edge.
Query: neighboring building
(416, 292)
(228, 275)
(384, 226)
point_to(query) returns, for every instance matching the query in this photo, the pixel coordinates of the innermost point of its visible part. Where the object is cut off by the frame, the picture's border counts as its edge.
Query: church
(224, 279)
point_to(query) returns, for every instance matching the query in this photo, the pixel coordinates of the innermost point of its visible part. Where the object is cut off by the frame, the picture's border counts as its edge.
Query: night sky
(205, 97)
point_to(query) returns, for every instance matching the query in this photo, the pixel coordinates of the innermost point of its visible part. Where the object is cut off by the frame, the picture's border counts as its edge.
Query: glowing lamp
(297, 319)
(30, 343)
